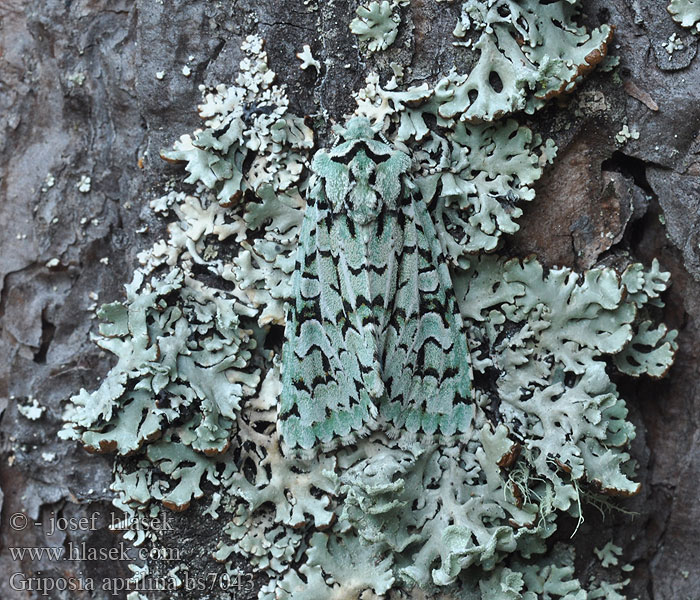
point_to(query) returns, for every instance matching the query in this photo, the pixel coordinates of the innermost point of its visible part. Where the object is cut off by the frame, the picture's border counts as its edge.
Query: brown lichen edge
(590, 61)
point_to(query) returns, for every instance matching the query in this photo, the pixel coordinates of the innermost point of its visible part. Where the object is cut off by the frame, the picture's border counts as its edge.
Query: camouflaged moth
(374, 337)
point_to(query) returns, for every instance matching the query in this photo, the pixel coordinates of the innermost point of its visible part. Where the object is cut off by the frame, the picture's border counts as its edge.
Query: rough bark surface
(79, 97)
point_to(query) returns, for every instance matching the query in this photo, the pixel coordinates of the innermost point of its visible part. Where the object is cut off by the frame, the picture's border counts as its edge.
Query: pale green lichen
(181, 352)
(478, 172)
(625, 134)
(307, 59)
(528, 52)
(571, 419)
(608, 555)
(246, 122)
(686, 13)
(377, 24)
(674, 43)
(194, 396)
(32, 410)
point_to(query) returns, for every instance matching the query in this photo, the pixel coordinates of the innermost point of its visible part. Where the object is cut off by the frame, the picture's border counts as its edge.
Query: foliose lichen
(194, 396)
(377, 23)
(686, 13)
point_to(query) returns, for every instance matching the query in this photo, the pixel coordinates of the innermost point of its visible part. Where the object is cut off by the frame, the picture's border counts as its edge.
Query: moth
(374, 338)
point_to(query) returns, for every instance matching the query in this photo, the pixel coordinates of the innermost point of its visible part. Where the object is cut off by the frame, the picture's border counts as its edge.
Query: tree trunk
(91, 91)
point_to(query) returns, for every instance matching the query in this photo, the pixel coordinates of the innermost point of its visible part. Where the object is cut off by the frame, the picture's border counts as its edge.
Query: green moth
(374, 338)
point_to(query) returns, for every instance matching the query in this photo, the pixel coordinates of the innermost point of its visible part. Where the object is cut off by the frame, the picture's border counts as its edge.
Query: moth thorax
(362, 202)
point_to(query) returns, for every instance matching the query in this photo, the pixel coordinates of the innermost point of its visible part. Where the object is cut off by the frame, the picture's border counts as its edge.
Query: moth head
(358, 128)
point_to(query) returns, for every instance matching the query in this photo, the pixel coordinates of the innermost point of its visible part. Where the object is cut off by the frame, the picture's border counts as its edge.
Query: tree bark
(81, 98)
